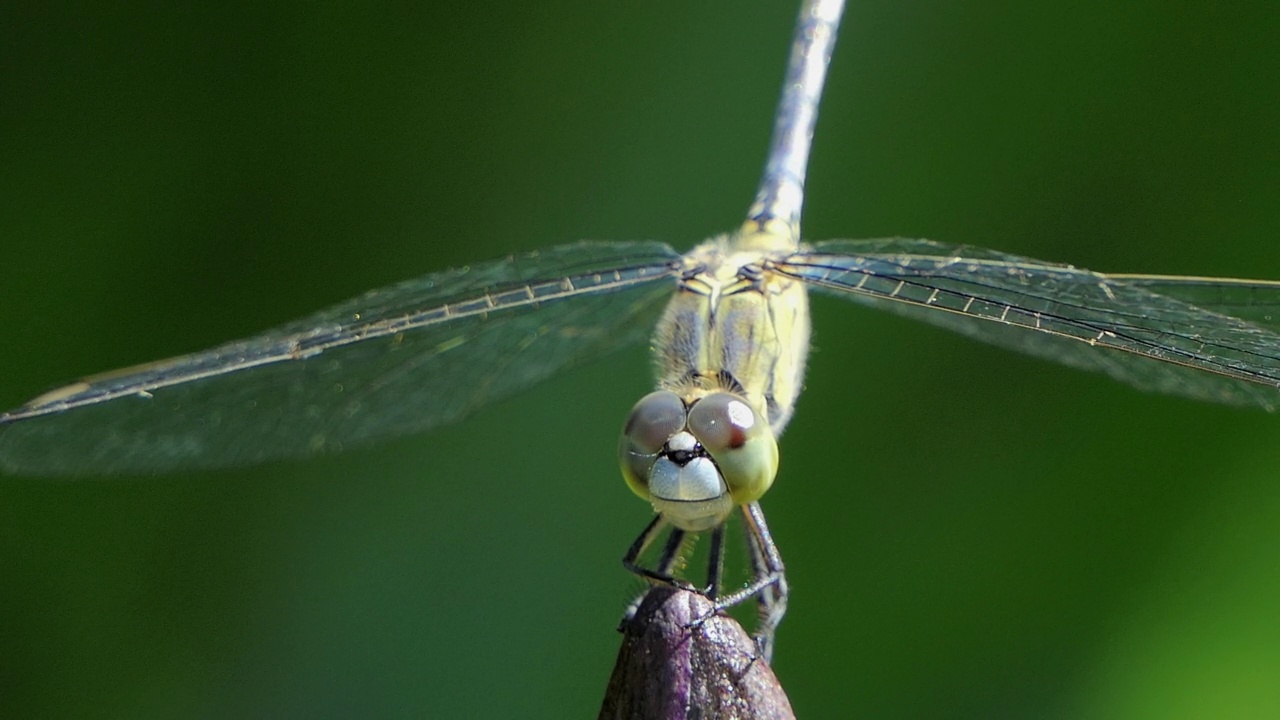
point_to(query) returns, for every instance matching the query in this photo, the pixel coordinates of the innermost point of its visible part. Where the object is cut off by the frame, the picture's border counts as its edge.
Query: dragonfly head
(696, 462)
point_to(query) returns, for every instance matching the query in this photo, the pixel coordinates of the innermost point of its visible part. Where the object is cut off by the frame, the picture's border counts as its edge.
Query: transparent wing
(1203, 338)
(1255, 301)
(393, 361)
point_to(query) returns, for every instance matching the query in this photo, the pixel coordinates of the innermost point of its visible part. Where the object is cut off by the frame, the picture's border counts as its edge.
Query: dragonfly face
(696, 462)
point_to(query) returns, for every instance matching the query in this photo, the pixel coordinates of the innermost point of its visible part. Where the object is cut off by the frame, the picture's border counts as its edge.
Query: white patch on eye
(740, 415)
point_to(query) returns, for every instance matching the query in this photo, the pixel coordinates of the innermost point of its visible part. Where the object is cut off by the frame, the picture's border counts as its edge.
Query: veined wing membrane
(390, 362)
(1254, 301)
(1161, 334)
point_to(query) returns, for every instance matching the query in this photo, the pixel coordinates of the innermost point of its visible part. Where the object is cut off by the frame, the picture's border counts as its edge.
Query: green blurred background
(969, 533)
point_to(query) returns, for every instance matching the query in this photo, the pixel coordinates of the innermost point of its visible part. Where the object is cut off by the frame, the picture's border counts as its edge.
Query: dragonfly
(729, 326)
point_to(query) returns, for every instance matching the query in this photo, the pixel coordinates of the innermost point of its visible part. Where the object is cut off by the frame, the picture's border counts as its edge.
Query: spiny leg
(670, 554)
(660, 574)
(715, 562)
(770, 583)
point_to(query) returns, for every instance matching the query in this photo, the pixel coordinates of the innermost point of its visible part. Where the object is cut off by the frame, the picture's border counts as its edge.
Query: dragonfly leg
(715, 563)
(670, 554)
(660, 574)
(770, 584)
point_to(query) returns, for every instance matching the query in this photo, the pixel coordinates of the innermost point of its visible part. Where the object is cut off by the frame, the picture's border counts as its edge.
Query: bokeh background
(969, 533)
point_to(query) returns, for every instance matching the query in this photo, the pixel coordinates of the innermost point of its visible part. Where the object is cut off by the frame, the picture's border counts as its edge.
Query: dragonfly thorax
(733, 317)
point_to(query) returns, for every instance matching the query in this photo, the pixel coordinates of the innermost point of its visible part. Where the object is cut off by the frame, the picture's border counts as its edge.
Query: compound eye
(740, 442)
(652, 422)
